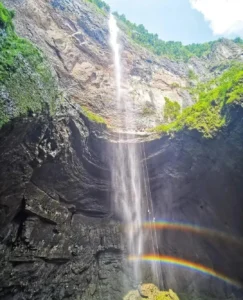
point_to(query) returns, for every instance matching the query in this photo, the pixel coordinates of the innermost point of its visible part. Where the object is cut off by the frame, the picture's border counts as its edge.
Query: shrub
(175, 85)
(192, 75)
(171, 110)
(209, 115)
(6, 17)
(147, 111)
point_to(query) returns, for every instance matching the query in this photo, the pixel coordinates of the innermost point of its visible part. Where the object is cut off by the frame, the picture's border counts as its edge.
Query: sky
(188, 21)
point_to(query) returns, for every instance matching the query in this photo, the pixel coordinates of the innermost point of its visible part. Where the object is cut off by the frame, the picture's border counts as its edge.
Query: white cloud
(225, 16)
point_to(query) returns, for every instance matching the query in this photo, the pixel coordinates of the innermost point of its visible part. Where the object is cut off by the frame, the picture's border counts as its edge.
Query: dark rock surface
(199, 181)
(59, 237)
(58, 240)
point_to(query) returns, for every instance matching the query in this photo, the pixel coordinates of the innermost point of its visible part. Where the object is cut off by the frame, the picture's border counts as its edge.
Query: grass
(26, 81)
(92, 116)
(209, 114)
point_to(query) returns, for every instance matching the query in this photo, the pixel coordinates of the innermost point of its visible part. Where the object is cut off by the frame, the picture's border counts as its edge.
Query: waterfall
(126, 169)
(129, 176)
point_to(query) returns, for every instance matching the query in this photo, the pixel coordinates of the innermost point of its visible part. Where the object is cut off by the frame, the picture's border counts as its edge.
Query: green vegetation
(147, 111)
(171, 110)
(6, 17)
(238, 40)
(26, 82)
(209, 114)
(171, 49)
(140, 35)
(192, 75)
(175, 85)
(100, 4)
(92, 116)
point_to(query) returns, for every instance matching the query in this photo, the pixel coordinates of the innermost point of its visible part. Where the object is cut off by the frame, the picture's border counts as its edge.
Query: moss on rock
(27, 84)
(92, 116)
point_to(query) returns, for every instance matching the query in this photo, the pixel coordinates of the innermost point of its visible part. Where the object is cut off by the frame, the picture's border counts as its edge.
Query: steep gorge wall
(198, 181)
(57, 230)
(74, 36)
(57, 227)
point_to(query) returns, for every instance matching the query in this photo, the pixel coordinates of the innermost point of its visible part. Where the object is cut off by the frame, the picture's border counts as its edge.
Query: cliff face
(56, 225)
(75, 38)
(199, 181)
(58, 230)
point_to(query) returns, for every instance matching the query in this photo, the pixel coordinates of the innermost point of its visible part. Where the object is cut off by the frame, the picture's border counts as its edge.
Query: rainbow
(186, 264)
(166, 225)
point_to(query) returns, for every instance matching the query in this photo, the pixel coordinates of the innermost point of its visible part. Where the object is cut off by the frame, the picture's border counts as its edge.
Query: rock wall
(58, 240)
(58, 230)
(59, 237)
(74, 35)
(198, 181)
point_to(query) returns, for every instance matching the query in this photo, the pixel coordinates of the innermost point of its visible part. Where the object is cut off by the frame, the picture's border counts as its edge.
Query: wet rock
(58, 228)
(198, 181)
(56, 213)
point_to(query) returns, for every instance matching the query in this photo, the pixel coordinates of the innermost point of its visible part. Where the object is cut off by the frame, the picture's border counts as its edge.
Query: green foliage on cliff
(209, 114)
(26, 82)
(238, 40)
(171, 110)
(192, 75)
(148, 110)
(6, 19)
(100, 4)
(92, 116)
(171, 49)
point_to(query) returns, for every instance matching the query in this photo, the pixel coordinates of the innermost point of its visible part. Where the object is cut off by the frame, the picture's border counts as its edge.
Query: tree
(171, 110)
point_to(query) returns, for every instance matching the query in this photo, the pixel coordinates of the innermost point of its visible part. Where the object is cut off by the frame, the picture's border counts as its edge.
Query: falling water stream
(126, 178)
(131, 191)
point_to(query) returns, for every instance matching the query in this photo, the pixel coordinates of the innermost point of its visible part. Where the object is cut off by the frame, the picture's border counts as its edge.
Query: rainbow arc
(184, 227)
(186, 264)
